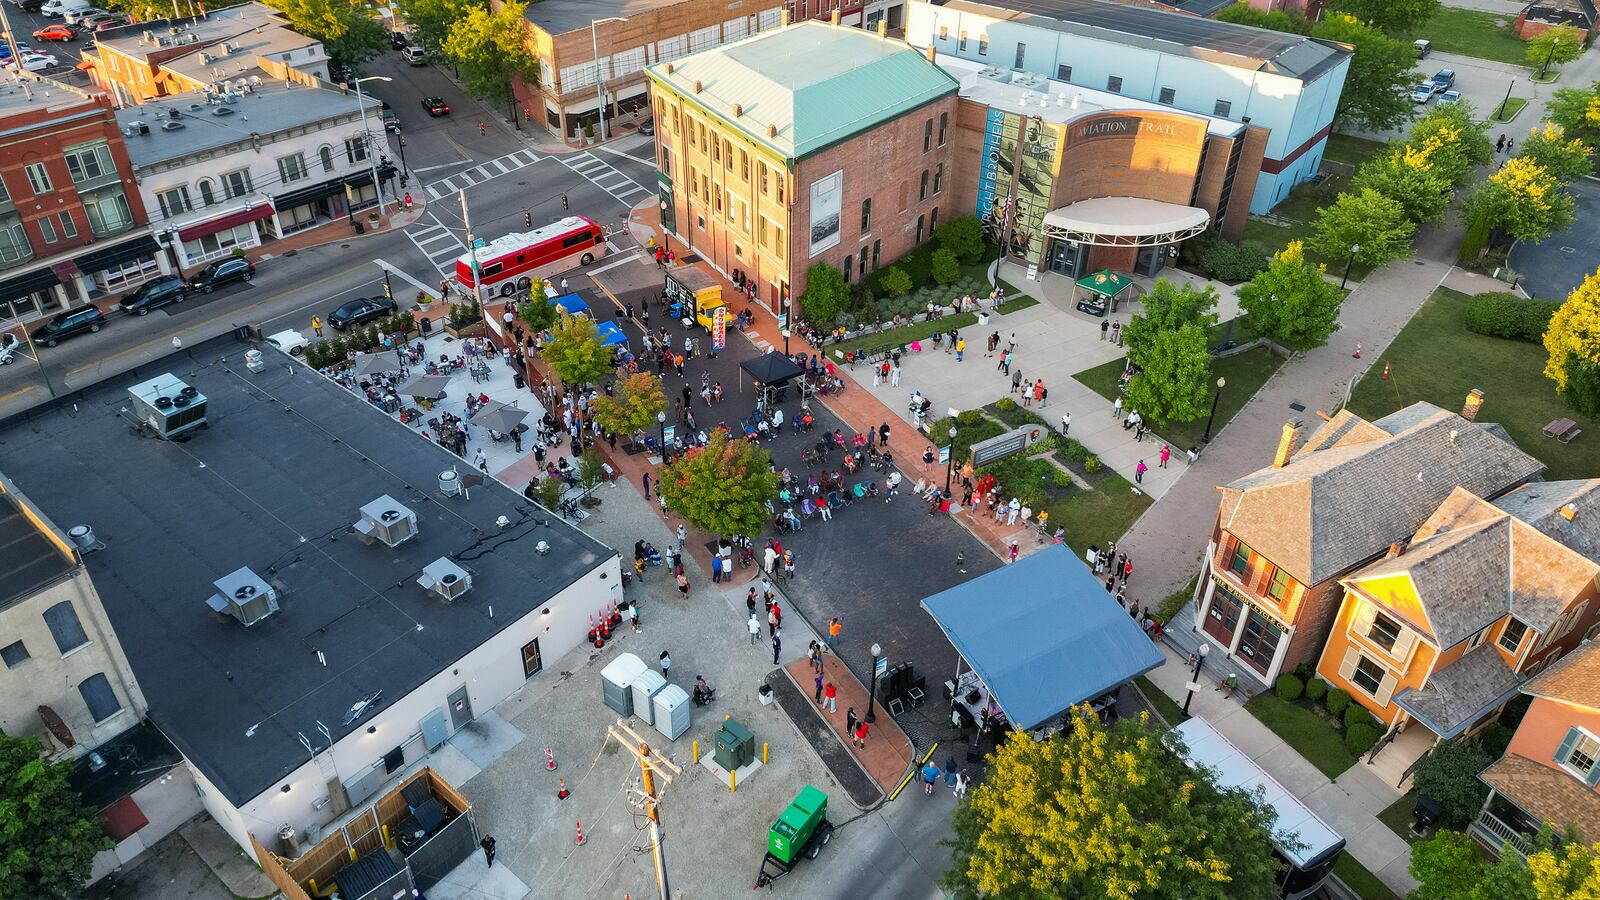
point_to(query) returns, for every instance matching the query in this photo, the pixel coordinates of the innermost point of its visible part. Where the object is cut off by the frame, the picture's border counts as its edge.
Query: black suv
(160, 292)
(221, 272)
(71, 323)
(361, 310)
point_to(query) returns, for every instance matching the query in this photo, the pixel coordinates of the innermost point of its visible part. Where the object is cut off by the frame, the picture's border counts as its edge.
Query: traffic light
(527, 220)
(387, 171)
(564, 201)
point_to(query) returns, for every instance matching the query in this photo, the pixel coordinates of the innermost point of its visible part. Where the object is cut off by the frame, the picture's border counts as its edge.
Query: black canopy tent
(771, 370)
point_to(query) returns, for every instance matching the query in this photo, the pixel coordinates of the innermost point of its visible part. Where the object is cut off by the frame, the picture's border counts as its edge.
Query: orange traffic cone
(1358, 350)
(580, 834)
(563, 793)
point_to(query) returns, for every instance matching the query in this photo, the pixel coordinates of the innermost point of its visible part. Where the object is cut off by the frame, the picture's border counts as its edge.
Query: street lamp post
(661, 420)
(950, 461)
(785, 342)
(1221, 383)
(1549, 56)
(366, 137)
(1500, 113)
(599, 80)
(1354, 249)
(405, 172)
(1194, 683)
(872, 693)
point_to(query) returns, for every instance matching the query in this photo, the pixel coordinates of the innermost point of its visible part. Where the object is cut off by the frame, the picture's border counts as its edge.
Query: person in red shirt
(830, 697)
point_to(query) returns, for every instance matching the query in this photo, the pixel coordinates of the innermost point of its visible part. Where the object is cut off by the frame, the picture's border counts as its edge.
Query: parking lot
(1483, 84)
(25, 22)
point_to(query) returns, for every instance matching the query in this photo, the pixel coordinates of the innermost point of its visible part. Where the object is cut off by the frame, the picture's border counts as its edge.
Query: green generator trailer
(798, 834)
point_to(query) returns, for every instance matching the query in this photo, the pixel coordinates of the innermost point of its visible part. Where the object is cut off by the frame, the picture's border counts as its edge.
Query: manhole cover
(344, 246)
(1569, 249)
(1297, 406)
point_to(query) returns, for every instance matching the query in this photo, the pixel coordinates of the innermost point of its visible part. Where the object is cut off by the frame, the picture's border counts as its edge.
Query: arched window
(208, 195)
(327, 158)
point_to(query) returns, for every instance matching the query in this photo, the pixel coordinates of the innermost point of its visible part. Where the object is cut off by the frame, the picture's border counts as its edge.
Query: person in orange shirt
(833, 634)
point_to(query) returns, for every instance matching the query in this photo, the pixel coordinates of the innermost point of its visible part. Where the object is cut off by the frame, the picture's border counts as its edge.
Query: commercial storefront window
(220, 244)
(362, 197)
(1222, 617)
(126, 274)
(1260, 641)
(297, 218)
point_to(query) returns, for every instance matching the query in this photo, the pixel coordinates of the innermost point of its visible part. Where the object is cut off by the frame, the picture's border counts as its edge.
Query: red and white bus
(510, 263)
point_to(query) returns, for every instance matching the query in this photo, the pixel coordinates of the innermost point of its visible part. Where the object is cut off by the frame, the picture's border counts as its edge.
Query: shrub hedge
(1505, 315)
(1336, 701)
(1360, 737)
(1356, 714)
(1290, 687)
(1224, 261)
(1316, 689)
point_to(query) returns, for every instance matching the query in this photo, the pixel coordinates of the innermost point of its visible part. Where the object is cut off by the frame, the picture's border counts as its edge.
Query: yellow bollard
(763, 753)
(697, 752)
(352, 852)
(733, 781)
(386, 841)
(313, 883)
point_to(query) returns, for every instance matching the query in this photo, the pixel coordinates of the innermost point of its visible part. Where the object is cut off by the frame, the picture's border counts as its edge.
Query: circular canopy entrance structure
(1125, 222)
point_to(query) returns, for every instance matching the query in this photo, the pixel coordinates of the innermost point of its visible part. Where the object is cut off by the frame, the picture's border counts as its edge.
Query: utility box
(645, 688)
(616, 682)
(736, 746)
(790, 833)
(672, 711)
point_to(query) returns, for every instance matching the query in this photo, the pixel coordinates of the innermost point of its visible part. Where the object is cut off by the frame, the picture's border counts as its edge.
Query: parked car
(1449, 98)
(1422, 93)
(36, 62)
(22, 47)
(108, 25)
(56, 9)
(391, 119)
(397, 40)
(100, 21)
(9, 345)
(71, 14)
(57, 32)
(414, 56)
(291, 342)
(436, 106)
(73, 322)
(1443, 80)
(339, 73)
(360, 310)
(221, 272)
(648, 126)
(28, 5)
(153, 294)
(1423, 48)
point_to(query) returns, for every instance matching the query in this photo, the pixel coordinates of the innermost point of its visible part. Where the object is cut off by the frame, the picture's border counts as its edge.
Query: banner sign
(719, 328)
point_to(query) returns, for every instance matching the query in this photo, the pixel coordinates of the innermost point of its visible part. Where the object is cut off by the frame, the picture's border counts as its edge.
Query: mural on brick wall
(826, 196)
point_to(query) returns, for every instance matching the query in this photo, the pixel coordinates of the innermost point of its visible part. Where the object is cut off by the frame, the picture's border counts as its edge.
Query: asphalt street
(1551, 269)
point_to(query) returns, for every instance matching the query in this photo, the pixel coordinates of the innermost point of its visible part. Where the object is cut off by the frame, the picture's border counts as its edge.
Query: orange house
(1444, 630)
(1550, 773)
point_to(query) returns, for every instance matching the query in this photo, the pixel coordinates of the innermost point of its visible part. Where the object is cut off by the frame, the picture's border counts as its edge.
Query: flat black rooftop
(275, 484)
(1226, 43)
(29, 560)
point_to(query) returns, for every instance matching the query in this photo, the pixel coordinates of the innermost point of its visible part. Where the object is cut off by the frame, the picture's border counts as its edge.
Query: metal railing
(1496, 832)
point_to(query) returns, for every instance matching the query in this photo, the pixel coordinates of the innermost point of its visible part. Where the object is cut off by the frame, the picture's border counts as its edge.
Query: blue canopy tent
(1042, 635)
(571, 304)
(611, 335)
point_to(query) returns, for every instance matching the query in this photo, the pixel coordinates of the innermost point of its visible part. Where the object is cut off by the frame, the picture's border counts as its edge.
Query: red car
(57, 32)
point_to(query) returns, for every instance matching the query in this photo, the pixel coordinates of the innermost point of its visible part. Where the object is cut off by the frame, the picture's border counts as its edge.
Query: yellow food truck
(690, 291)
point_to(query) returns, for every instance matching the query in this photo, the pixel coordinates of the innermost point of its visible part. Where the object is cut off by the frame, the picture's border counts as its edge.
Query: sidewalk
(888, 754)
(1349, 804)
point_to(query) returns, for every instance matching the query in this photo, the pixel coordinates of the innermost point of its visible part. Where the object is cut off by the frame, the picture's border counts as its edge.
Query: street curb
(883, 796)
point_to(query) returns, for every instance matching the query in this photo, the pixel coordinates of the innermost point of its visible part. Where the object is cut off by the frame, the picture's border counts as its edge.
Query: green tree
(723, 487)
(1457, 143)
(591, 469)
(550, 490)
(1107, 811)
(1375, 94)
(962, 236)
(348, 31)
(1523, 200)
(1173, 385)
(1568, 159)
(1554, 46)
(430, 20)
(945, 268)
(1448, 867)
(1573, 344)
(1449, 774)
(1167, 307)
(491, 49)
(1397, 18)
(1243, 13)
(537, 312)
(633, 406)
(1578, 111)
(1368, 225)
(1408, 176)
(895, 281)
(825, 297)
(574, 351)
(48, 835)
(1291, 303)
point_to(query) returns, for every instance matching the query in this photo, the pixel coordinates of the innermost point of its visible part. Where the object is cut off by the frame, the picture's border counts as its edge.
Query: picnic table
(1563, 430)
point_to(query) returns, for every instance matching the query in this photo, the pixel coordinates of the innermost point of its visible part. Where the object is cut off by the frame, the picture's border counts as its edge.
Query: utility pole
(648, 763)
(472, 253)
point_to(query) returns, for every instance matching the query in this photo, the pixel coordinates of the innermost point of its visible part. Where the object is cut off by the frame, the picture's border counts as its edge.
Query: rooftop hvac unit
(243, 595)
(387, 520)
(449, 483)
(167, 406)
(445, 578)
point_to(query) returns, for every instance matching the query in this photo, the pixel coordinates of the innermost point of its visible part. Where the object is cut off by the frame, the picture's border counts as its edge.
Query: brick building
(568, 36)
(72, 228)
(814, 143)
(856, 13)
(1285, 535)
(1542, 15)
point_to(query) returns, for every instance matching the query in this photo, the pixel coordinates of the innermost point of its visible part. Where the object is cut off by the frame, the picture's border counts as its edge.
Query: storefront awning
(309, 195)
(40, 279)
(223, 223)
(1125, 222)
(104, 258)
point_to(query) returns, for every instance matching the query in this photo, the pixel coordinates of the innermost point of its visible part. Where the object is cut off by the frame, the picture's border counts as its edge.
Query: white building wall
(491, 673)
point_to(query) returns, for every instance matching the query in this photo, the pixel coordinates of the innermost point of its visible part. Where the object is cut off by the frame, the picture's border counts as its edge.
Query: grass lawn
(1011, 289)
(1299, 211)
(1017, 301)
(1166, 707)
(1512, 107)
(1435, 358)
(1308, 733)
(1398, 817)
(1358, 879)
(894, 337)
(1246, 373)
(1351, 150)
(1472, 33)
(1098, 515)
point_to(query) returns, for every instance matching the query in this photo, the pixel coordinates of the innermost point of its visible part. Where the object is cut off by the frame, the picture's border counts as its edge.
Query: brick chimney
(933, 54)
(1469, 410)
(834, 18)
(1286, 444)
(783, 18)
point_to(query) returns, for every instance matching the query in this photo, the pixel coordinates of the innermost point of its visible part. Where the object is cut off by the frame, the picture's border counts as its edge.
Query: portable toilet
(672, 711)
(645, 687)
(616, 682)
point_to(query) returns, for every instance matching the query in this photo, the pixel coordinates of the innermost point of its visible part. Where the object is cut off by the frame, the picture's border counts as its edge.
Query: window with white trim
(704, 38)
(734, 29)
(175, 201)
(769, 18)
(291, 168)
(627, 62)
(1511, 635)
(1368, 675)
(236, 184)
(669, 48)
(38, 178)
(1578, 754)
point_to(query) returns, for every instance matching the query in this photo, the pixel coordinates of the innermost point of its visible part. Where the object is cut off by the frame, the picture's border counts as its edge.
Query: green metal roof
(817, 83)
